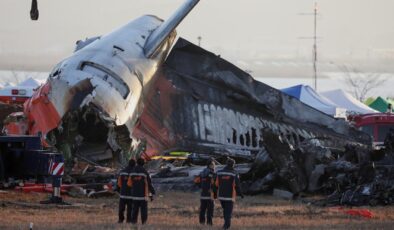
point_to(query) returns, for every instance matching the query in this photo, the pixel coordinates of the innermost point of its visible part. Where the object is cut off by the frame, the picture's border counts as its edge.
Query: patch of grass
(177, 210)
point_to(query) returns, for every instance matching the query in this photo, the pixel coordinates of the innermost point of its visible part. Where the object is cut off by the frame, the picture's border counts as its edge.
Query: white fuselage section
(116, 67)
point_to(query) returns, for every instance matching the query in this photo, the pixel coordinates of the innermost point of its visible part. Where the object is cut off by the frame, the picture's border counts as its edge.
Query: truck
(15, 94)
(377, 125)
(23, 157)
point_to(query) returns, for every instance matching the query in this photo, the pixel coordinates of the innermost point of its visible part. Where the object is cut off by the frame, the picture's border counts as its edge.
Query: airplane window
(56, 73)
(107, 75)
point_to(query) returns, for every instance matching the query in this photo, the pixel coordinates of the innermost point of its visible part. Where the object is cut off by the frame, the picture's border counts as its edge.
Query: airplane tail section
(157, 38)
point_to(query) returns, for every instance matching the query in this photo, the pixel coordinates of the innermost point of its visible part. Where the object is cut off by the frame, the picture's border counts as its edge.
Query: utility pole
(315, 46)
(315, 14)
(199, 38)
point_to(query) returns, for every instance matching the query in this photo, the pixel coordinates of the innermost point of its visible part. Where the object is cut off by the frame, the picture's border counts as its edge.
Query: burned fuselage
(202, 103)
(119, 87)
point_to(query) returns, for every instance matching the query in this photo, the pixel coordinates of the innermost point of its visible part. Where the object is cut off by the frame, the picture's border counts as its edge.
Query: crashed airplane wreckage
(202, 103)
(197, 103)
(93, 99)
(122, 88)
(116, 88)
(352, 177)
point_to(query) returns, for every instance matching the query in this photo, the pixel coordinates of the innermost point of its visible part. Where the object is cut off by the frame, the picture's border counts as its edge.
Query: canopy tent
(380, 105)
(369, 100)
(344, 100)
(18, 93)
(391, 101)
(9, 84)
(29, 83)
(310, 97)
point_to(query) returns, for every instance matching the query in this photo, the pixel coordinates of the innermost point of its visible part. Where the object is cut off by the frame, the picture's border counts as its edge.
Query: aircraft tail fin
(158, 36)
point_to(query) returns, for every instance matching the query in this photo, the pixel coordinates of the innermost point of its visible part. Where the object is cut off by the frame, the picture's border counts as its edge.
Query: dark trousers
(206, 208)
(227, 212)
(123, 204)
(137, 205)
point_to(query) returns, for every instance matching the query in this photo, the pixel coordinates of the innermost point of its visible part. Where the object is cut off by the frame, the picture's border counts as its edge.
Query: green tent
(369, 100)
(379, 104)
(390, 100)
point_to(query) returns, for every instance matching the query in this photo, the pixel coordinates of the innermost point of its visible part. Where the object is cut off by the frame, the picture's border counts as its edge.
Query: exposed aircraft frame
(95, 99)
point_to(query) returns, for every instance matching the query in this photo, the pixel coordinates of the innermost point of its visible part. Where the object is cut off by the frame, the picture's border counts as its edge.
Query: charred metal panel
(202, 103)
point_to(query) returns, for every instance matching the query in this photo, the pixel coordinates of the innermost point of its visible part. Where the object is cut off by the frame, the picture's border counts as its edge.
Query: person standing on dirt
(228, 186)
(142, 190)
(124, 186)
(206, 181)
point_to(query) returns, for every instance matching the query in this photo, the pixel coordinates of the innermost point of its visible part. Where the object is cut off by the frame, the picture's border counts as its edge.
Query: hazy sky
(239, 29)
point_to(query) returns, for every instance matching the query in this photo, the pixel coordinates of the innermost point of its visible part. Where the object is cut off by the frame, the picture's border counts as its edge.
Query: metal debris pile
(353, 176)
(87, 180)
(170, 178)
(84, 180)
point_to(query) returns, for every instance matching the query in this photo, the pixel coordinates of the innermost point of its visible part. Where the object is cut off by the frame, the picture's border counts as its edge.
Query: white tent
(345, 100)
(9, 84)
(310, 97)
(25, 89)
(29, 83)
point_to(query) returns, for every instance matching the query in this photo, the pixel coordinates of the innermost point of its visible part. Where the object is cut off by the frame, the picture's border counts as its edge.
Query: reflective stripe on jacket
(124, 183)
(141, 184)
(228, 185)
(207, 183)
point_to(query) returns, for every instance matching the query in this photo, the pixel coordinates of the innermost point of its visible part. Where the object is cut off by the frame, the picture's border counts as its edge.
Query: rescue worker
(206, 181)
(125, 200)
(142, 189)
(228, 187)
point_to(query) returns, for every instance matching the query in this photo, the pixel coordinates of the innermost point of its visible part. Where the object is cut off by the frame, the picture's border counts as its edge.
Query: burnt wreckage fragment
(368, 181)
(203, 104)
(355, 176)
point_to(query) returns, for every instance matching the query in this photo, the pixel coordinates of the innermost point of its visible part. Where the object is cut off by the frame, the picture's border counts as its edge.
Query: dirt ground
(177, 210)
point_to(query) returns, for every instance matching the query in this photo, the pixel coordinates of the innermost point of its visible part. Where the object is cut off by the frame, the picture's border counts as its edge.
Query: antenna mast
(315, 38)
(315, 47)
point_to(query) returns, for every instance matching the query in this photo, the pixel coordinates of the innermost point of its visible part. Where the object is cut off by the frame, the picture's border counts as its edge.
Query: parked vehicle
(23, 157)
(377, 125)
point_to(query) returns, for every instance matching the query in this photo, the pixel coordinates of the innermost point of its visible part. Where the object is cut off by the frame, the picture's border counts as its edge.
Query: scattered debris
(102, 193)
(181, 178)
(33, 187)
(354, 212)
(77, 192)
(353, 176)
(188, 99)
(283, 194)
